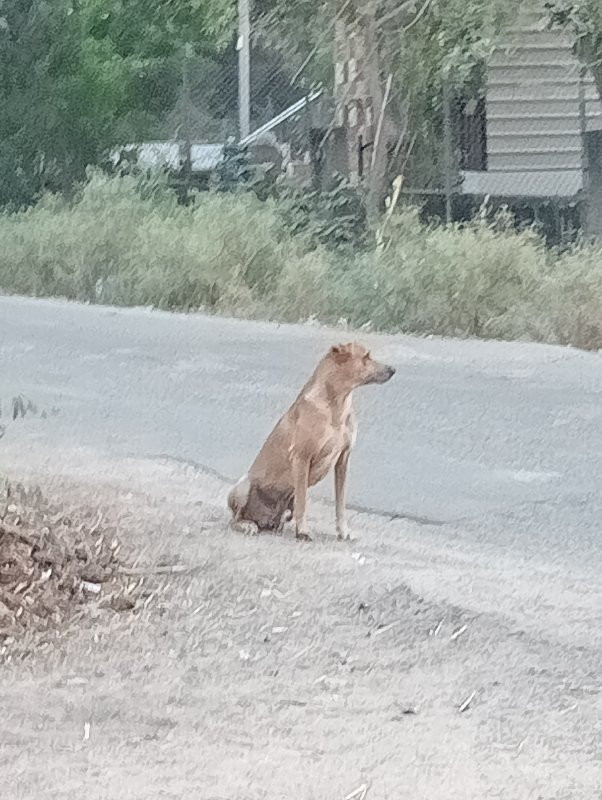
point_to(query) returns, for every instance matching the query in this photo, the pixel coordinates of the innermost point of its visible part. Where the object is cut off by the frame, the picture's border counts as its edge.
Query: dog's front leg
(340, 487)
(301, 480)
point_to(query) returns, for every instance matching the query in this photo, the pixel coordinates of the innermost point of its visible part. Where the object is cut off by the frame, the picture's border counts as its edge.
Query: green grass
(127, 243)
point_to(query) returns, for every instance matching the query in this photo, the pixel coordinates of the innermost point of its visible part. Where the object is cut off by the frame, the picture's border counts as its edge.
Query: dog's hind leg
(237, 501)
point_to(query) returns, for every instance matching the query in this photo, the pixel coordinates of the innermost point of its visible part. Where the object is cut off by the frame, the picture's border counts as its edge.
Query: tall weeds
(125, 242)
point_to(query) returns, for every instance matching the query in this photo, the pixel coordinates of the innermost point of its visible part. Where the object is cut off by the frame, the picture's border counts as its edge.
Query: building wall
(533, 100)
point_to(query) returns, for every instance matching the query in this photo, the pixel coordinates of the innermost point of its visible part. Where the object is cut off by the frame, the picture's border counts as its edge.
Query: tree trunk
(376, 183)
(359, 99)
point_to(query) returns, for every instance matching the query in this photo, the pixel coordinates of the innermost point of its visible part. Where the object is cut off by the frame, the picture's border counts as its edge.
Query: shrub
(127, 241)
(334, 218)
(113, 244)
(460, 281)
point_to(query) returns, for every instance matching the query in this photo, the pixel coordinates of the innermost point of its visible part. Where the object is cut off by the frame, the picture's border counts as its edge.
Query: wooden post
(379, 125)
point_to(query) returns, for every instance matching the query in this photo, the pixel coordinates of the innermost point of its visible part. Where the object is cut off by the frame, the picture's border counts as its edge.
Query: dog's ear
(340, 352)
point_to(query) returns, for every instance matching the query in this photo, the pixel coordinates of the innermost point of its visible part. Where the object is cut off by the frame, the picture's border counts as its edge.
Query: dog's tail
(238, 497)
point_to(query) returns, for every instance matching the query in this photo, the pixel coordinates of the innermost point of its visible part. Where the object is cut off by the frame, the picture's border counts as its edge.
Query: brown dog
(316, 433)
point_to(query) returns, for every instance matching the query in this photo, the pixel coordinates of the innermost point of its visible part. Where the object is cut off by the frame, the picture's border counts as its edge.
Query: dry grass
(274, 669)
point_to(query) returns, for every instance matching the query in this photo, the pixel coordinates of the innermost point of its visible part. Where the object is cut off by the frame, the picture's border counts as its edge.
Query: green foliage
(233, 170)
(147, 30)
(583, 21)
(448, 45)
(46, 131)
(122, 242)
(301, 32)
(119, 244)
(334, 218)
(81, 75)
(582, 17)
(458, 281)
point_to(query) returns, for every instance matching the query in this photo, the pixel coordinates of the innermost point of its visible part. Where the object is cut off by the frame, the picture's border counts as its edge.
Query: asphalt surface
(497, 445)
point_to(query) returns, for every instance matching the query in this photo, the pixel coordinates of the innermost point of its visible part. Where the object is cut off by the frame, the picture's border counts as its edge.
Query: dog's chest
(332, 444)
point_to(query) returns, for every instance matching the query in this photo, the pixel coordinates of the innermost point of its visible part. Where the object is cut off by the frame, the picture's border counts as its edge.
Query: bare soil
(258, 667)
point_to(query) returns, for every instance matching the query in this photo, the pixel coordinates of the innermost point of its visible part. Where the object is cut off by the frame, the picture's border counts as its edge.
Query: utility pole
(186, 156)
(187, 115)
(244, 68)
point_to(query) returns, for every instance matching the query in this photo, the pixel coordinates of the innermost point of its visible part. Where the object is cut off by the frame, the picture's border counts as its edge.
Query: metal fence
(525, 132)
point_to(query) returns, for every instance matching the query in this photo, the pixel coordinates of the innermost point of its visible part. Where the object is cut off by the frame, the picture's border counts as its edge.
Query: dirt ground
(265, 668)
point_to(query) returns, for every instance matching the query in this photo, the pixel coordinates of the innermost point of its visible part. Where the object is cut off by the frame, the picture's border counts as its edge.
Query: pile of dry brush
(52, 562)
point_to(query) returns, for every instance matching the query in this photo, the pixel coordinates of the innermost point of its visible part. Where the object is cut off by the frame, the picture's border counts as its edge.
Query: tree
(582, 19)
(38, 61)
(423, 44)
(78, 77)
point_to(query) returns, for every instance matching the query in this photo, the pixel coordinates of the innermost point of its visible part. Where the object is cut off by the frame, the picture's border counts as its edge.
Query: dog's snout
(387, 372)
(383, 374)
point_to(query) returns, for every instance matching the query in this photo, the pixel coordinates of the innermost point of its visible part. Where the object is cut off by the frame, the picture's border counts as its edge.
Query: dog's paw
(246, 528)
(303, 537)
(343, 533)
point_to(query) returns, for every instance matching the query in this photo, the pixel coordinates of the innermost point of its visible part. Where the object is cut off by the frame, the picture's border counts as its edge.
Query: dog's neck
(325, 391)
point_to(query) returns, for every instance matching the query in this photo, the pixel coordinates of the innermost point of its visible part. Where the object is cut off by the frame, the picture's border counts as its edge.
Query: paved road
(502, 442)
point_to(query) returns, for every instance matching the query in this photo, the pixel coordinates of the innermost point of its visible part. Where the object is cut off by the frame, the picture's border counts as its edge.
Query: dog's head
(355, 366)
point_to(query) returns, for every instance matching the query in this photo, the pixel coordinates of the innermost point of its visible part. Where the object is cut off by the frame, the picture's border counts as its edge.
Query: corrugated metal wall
(534, 119)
